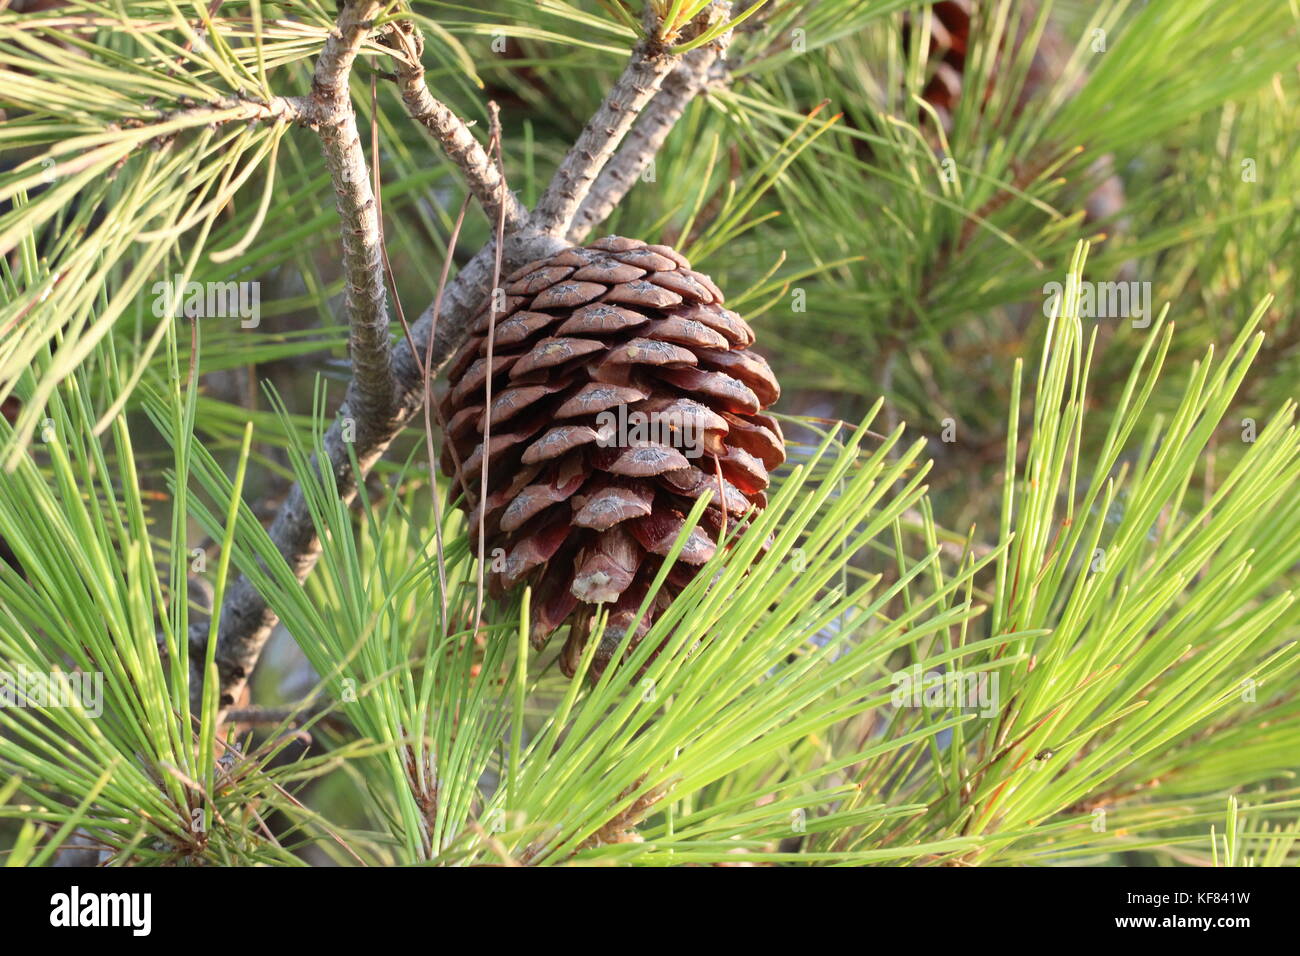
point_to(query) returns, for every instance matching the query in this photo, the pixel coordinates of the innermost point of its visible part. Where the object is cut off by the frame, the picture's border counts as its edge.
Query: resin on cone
(622, 390)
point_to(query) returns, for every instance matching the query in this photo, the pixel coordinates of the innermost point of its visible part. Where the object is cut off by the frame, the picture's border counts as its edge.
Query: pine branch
(481, 174)
(651, 62)
(690, 77)
(373, 390)
(299, 110)
(371, 402)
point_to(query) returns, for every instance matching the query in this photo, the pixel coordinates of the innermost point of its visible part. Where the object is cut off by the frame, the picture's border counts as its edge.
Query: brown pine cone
(950, 42)
(622, 390)
(950, 39)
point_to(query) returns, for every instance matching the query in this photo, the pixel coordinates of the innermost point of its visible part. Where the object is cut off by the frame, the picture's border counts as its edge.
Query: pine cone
(950, 38)
(950, 41)
(622, 390)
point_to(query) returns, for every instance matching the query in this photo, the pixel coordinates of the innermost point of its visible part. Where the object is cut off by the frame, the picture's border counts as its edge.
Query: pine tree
(302, 313)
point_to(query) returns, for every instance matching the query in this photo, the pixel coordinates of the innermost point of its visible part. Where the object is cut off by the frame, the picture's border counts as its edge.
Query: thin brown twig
(722, 497)
(429, 406)
(428, 356)
(422, 367)
(495, 296)
(406, 331)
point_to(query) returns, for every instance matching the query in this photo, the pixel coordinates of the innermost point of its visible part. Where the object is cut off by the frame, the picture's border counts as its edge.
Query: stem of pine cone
(247, 621)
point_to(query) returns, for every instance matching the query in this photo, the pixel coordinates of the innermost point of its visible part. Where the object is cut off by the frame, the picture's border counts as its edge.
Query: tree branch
(481, 174)
(645, 72)
(373, 388)
(690, 77)
(372, 397)
(300, 110)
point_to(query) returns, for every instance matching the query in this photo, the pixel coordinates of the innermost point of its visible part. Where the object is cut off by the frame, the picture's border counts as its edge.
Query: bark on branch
(651, 62)
(372, 397)
(691, 76)
(374, 390)
(481, 174)
(300, 110)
